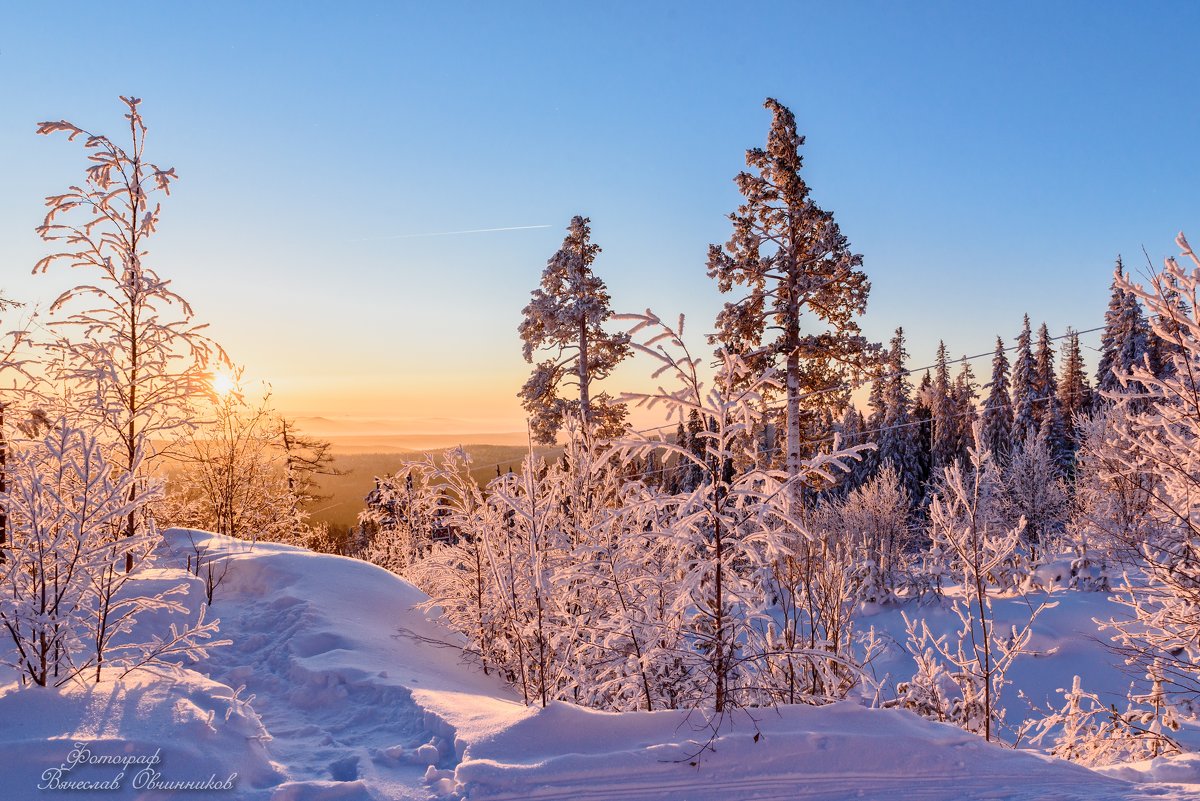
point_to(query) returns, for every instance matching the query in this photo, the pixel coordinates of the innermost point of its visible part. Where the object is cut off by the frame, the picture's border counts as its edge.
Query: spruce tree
(965, 413)
(1125, 339)
(1024, 388)
(1074, 392)
(944, 445)
(565, 316)
(797, 267)
(850, 432)
(1046, 408)
(923, 424)
(897, 438)
(997, 408)
(1045, 383)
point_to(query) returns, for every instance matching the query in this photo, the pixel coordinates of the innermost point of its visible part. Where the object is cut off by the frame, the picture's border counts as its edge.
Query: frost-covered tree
(875, 520)
(401, 514)
(850, 431)
(566, 316)
(1166, 337)
(1125, 340)
(1046, 407)
(922, 418)
(1111, 501)
(231, 478)
(1158, 437)
(1034, 491)
(733, 530)
(1024, 387)
(896, 434)
(997, 407)
(11, 363)
(69, 605)
(944, 445)
(1074, 391)
(130, 345)
(965, 526)
(965, 394)
(1045, 383)
(803, 284)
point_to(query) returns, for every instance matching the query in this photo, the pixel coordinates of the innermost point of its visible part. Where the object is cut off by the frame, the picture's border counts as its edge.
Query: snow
(350, 693)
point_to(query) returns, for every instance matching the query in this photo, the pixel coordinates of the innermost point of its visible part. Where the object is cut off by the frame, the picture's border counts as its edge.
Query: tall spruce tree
(997, 408)
(944, 445)
(796, 266)
(923, 424)
(1125, 339)
(1046, 408)
(1045, 383)
(1024, 388)
(965, 413)
(565, 316)
(850, 431)
(1074, 392)
(897, 437)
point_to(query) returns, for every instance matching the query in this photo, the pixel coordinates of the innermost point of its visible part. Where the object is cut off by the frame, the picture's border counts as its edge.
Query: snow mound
(346, 691)
(833, 752)
(180, 725)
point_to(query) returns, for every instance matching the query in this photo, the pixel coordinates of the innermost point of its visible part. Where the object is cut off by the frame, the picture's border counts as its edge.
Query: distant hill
(346, 492)
(406, 434)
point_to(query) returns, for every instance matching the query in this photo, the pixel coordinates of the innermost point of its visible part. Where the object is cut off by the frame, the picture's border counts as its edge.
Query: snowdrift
(335, 687)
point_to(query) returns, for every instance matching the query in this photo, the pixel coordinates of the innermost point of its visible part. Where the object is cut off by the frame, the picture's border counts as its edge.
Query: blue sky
(987, 161)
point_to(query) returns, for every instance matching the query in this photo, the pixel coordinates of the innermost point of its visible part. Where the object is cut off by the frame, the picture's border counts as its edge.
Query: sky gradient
(986, 161)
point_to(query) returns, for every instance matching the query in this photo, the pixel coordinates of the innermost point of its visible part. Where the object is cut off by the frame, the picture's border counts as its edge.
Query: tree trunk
(3, 485)
(585, 401)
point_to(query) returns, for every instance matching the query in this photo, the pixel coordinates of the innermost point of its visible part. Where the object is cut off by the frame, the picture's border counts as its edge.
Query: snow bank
(357, 696)
(174, 727)
(834, 752)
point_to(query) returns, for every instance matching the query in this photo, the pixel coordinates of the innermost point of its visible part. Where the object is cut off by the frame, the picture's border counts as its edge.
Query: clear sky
(987, 160)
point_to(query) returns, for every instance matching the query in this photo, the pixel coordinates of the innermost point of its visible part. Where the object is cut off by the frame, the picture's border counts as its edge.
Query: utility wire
(855, 385)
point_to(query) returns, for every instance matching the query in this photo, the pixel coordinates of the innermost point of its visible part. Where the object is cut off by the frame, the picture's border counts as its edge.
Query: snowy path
(332, 682)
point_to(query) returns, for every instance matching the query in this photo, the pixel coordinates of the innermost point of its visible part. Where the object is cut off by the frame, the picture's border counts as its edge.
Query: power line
(854, 385)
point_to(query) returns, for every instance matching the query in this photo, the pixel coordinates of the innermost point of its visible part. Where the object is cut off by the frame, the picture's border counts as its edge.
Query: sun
(223, 383)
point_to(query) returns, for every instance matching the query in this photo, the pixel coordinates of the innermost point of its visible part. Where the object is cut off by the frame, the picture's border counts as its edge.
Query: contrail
(452, 233)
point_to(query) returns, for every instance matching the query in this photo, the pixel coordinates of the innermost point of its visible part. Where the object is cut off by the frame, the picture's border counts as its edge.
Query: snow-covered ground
(351, 694)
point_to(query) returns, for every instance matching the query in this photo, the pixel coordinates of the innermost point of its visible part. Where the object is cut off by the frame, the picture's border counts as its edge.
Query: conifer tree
(850, 429)
(1046, 407)
(1074, 392)
(897, 443)
(944, 444)
(965, 413)
(1123, 345)
(305, 458)
(566, 315)
(1023, 388)
(923, 424)
(997, 408)
(1044, 382)
(796, 266)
